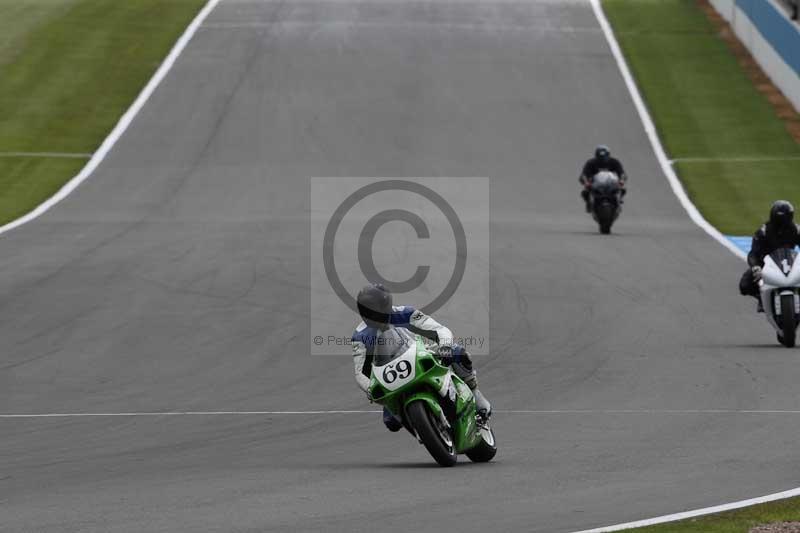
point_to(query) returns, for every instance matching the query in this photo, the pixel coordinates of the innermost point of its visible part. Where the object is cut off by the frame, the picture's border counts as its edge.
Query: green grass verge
(740, 521)
(68, 70)
(705, 106)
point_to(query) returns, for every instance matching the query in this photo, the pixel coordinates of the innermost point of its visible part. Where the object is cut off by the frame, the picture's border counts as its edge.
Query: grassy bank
(740, 521)
(705, 107)
(68, 70)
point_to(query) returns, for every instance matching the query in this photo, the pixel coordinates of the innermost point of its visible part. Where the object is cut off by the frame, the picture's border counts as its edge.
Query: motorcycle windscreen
(784, 258)
(391, 344)
(605, 184)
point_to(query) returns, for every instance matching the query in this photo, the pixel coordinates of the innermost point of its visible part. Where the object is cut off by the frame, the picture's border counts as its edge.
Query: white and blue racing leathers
(417, 322)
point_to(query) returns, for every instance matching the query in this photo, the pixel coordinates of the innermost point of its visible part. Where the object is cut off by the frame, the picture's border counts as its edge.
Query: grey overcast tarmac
(176, 279)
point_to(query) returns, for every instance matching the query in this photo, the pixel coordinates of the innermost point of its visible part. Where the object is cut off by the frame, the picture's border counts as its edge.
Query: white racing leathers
(419, 323)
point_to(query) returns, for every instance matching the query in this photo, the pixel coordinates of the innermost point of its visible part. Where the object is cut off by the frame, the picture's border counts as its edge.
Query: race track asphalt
(177, 279)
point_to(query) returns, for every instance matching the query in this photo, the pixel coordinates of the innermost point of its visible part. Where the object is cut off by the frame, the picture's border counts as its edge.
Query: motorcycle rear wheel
(486, 450)
(434, 436)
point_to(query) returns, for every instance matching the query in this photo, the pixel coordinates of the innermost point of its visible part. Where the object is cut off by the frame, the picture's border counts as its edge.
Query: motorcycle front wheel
(605, 217)
(788, 323)
(435, 436)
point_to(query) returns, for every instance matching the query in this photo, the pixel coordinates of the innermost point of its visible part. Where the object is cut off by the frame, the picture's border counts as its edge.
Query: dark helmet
(375, 305)
(602, 152)
(781, 215)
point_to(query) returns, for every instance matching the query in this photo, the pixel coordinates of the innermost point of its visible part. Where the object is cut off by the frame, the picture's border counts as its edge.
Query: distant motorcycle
(606, 205)
(780, 293)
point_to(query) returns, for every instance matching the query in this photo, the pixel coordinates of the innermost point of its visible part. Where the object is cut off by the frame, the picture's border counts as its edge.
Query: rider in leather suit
(602, 160)
(378, 313)
(779, 232)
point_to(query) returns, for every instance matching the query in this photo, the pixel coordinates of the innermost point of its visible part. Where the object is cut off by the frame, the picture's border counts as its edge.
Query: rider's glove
(446, 355)
(756, 270)
(369, 397)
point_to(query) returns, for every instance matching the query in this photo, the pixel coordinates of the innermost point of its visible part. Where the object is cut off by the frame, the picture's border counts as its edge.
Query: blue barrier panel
(778, 30)
(742, 243)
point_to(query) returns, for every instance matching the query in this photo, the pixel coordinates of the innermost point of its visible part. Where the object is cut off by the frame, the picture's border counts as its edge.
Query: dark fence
(794, 8)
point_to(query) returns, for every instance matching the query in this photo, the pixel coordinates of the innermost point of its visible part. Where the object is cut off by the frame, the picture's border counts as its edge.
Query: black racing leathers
(595, 165)
(765, 241)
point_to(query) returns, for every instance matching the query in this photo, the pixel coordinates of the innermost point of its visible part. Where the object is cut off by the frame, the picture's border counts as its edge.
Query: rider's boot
(392, 423)
(586, 200)
(482, 405)
(463, 369)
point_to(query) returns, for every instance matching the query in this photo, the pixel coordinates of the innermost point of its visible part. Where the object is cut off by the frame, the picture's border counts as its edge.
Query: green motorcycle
(433, 403)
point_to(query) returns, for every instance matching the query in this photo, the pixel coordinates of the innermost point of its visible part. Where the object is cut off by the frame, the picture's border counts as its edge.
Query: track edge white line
(697, 512)
(655, 140)
(578, 412)
(122, 125)
(697, 218)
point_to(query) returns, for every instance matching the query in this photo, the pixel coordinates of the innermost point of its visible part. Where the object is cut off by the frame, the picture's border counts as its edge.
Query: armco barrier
(773, 38)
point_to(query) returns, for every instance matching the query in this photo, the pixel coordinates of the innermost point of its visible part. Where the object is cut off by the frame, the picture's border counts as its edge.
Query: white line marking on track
(122, 125)
(655, 141)
(698, 219)
(653, 412)
(184, 413)
(750, 159)
(67, 155)
(381, 2)
(698, 512)
(445, 26)
(591, 412)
